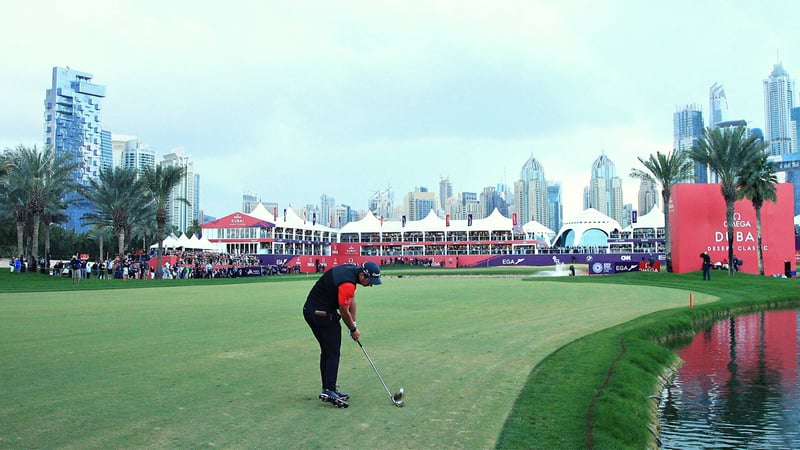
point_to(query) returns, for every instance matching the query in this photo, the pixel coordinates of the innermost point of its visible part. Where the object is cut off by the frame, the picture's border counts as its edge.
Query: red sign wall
(697, 224)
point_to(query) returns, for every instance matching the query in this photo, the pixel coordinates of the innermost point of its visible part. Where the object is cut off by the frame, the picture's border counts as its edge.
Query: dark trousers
(328, 332)
(706, 271)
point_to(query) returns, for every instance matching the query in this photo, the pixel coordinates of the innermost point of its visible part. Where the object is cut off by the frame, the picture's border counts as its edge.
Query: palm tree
(42, 178)
(727, 151)
(116, 197)
(757, 182)
(159, 183)
(667, 170)
(194, 229)
(54, 213)
(145, 230)
(6, 164)
(100, 234)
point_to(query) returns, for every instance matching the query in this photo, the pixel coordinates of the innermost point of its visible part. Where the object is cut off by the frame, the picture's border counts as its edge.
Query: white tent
(590, 227)
(539, 231)
(654, 219)
(169, 242)
(204, 244)
(183, 241)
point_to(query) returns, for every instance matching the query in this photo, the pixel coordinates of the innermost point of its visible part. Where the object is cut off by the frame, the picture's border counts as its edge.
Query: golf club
(397, 399)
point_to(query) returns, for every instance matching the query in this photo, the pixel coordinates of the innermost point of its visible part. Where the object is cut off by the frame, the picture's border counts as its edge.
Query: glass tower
(778, 103)
(73, 126)
(181, 213)
(555, 207)
(604, 192)
(717, 105)
(687, 128)
(530, 194)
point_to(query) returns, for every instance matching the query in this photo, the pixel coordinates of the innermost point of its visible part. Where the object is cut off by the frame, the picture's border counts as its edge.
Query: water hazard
(738, 388)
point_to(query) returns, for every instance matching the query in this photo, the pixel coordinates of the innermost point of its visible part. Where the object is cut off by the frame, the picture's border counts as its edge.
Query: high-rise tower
(73, 126)
(555, 206)
(778, 103)
(182, 213)
(687, 128)
(445, 191)
(648, 196)
(530, 193)
(604, 192)
(717, 105)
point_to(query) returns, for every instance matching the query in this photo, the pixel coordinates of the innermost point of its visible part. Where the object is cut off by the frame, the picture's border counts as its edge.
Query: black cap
(373, 271)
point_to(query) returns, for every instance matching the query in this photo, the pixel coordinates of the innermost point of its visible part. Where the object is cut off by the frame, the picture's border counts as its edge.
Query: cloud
(296, 99)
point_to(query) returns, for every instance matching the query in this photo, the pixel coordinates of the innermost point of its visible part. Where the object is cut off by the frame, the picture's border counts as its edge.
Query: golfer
(332, 298)
(706, 266)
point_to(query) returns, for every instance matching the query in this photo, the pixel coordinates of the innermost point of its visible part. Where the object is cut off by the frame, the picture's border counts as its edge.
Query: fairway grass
(235, 366)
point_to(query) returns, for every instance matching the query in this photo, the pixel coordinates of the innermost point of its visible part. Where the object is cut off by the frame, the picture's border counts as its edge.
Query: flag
(469, 220)
(330, 221)
(275, 212)
(404, 220)
(514, 219)
(634, 215)
(447, 220)
(381, 220)
(284, 214)
(304, 217)
(314, 219)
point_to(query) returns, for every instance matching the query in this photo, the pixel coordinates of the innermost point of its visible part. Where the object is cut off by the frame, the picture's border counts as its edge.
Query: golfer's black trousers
(328, 332)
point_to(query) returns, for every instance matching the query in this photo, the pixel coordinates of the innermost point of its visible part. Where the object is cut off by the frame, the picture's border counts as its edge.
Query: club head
(398, 398)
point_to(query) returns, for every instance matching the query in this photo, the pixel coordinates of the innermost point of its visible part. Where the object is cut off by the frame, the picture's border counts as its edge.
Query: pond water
(738, 388)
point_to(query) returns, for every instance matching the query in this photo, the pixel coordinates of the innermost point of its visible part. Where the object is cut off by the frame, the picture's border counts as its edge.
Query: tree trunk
(121, 244)
(47, 241)
(35, 237)
(729, 221)
(158, 260)
(161, 221)
(20, 240)
(758, 236)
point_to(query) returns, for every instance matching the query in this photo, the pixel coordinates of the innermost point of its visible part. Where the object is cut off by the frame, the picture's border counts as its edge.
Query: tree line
(38, 185)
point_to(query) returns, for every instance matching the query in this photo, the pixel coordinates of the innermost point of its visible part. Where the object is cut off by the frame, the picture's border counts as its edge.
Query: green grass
(484, 361)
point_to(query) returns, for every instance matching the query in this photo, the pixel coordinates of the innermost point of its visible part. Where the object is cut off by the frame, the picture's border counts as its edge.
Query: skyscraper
(182, 213)
(555, 206)
(604, 192)
(464, 204)
(530, 193)
(687, 128)
(648, 196)
(445, 191)
(490, 199)
(73, 126)
(717, 105)
(381, 203)
(793, 176)
(419, 203)
(249, 202)
(326, 205)
(129, 152)
(778, 104)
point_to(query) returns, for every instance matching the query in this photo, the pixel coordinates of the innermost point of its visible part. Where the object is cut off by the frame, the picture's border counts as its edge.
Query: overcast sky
(293, 99)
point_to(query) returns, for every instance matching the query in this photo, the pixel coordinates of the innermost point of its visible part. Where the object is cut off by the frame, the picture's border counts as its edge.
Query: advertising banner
(698, 224)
